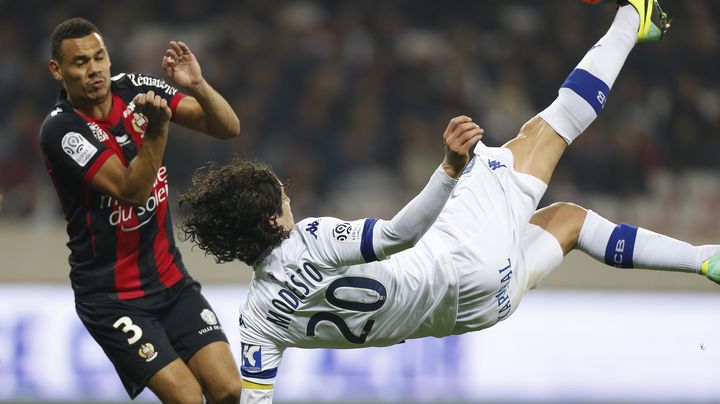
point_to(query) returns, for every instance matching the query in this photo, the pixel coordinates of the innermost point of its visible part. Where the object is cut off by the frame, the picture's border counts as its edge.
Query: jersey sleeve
(408, 226)
(142, 83)
(259, 369)
(71, 148)
(335, 242)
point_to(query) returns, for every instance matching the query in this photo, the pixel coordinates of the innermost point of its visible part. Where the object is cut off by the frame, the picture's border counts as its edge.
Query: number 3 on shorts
(128, 327)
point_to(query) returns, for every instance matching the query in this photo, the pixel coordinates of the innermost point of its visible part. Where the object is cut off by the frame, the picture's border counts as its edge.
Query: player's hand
(154, 108)
(460, 137)
(181, 66)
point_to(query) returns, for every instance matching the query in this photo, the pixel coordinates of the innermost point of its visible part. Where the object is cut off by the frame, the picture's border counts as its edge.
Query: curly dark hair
(230, 208)
(70, 29)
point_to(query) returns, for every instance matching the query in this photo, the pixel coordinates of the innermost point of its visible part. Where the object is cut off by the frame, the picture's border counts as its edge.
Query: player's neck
(93, 110)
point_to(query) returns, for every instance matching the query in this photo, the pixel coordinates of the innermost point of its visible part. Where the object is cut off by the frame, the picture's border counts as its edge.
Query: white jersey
(301, 297)
(328, 285)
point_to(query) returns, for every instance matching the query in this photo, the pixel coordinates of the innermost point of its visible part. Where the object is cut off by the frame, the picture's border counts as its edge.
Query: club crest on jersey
(348, 232)
(147, 352)
(139, 122)
(97, 131)
(78, 148)
(209, 317)
(251, 358)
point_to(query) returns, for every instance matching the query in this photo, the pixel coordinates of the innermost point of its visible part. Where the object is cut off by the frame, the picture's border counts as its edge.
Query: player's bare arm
(132, 184)
(205, 110)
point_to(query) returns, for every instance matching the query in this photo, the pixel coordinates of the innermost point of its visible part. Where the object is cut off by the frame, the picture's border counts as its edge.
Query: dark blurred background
(349, 99)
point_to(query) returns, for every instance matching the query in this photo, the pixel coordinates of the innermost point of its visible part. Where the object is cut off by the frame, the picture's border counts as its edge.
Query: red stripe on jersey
(115, 115)
(127, 251)
(164, 261)
(95, 167)
(175, 101)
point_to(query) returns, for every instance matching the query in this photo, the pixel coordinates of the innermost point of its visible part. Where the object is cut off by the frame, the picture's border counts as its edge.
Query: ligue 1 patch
(251, 358)
(209, 317)
(78, 148)
(147, 352)
(348, 232)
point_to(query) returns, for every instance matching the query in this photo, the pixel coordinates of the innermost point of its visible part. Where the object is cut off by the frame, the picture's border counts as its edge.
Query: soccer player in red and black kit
(103, 145)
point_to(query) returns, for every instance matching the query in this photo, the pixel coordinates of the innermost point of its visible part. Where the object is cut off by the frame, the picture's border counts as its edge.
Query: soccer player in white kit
(457, 258)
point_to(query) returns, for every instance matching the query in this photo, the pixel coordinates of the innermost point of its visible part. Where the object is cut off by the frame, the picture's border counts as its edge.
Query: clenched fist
(154, 108)
(460, 137)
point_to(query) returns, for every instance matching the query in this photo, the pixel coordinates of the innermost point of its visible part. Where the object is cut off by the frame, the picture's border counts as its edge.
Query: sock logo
(593, 90)
(620, 246)
(601, 98)
(619, 249)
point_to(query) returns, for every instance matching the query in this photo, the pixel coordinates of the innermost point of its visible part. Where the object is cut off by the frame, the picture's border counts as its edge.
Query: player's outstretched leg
(623, 245)
(543, 139)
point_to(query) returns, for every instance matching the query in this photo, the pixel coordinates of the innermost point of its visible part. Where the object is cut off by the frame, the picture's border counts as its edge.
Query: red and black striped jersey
(116, 250)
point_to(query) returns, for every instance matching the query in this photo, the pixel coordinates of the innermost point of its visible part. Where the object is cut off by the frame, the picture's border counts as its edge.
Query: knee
(563, 220)
(196, 398)
(185, 396)
(572, 217)
(569, 213)
(227, 393)
(183, 391)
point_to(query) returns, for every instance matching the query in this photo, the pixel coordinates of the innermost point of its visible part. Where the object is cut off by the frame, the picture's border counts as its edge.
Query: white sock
(585, 91)
(626, 246)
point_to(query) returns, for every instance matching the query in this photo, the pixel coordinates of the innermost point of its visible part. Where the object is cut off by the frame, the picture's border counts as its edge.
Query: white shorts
(484, 234)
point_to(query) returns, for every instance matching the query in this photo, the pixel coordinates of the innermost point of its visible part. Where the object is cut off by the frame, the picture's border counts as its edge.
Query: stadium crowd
(347, 95)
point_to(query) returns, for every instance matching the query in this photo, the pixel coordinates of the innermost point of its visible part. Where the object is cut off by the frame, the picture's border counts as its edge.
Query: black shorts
(141, 336)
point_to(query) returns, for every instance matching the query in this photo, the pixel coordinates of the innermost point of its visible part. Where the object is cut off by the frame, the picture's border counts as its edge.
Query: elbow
(409, 241)
(134, 199)
(401, 246)
(236, 128)
(233, 129)
(412, 242)
(394, 244)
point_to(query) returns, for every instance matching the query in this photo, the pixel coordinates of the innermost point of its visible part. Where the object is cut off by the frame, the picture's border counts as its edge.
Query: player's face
(84, 69)
(286, 218)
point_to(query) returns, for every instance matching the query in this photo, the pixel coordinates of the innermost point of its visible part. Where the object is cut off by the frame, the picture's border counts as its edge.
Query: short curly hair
(230, 210)
(70, 29)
